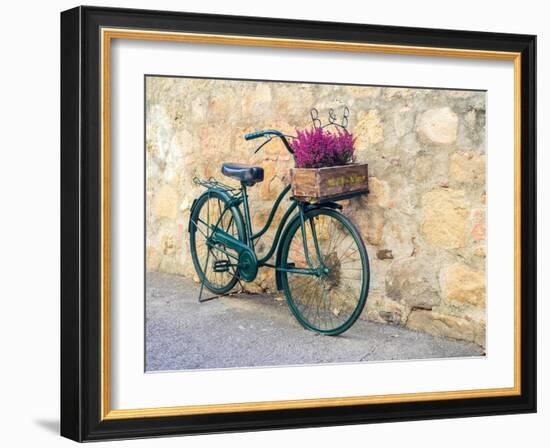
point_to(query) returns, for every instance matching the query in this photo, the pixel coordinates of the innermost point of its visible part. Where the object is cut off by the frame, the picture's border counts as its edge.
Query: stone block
(438, 125)
(393, 312)
(368, 129)
(413, 282)
(166, 202)
(445, 221)
(441, 325)
(467, 167)
(379, 193)
(464, 285)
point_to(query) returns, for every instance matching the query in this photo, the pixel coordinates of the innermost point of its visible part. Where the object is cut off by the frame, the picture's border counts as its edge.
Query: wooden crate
(335, 182)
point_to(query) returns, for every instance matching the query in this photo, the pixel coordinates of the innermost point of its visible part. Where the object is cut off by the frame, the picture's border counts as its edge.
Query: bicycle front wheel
(329, 301)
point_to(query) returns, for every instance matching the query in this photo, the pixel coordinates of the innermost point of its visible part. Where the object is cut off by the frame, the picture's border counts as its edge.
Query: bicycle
(321, 262)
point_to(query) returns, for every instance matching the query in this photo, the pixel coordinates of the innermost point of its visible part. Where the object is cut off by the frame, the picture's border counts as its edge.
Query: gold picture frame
(109, 30)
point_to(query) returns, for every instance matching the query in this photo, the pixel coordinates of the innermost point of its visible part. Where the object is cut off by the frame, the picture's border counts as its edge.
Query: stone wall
(423, 222)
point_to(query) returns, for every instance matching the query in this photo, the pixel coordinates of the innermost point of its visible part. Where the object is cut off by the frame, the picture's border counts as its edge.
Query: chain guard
(248, 265)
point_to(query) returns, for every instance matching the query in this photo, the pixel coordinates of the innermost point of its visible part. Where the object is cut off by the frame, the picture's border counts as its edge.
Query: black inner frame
(80, 223)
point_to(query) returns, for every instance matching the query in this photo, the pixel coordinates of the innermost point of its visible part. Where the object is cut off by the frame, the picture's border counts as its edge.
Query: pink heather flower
(318, 147)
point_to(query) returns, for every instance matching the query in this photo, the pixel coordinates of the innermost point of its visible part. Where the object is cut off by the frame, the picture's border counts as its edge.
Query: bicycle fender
(226, 197)
(193, 205)
(332, 205)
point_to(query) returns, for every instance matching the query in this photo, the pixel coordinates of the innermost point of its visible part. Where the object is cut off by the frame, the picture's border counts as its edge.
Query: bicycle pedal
(221, 265)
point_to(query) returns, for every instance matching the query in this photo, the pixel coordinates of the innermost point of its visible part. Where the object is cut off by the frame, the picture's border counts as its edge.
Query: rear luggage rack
(213, 183)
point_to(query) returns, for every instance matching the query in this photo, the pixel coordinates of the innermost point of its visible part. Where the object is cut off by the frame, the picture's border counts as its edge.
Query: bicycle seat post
(248, 222)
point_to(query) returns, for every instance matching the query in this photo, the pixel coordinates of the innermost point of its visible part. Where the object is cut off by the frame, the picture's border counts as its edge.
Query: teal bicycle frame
(219, 236)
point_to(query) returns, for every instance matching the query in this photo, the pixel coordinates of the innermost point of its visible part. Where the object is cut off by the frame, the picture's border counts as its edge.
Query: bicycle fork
(321, 269)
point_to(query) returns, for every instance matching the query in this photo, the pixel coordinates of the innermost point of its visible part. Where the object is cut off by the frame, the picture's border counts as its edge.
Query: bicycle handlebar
(253, 135)
(269, 132)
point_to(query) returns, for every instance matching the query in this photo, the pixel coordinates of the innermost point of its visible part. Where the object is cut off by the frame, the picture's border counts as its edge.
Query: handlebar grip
(253, 135)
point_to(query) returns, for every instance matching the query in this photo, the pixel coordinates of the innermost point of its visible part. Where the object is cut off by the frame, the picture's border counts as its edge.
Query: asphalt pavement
(254, 330)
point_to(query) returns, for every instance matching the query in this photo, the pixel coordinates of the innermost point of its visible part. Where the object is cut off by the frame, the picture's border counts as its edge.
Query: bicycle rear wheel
(214, 264)
(331, 301)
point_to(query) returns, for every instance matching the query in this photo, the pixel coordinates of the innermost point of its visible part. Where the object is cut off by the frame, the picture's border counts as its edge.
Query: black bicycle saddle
(244, 173)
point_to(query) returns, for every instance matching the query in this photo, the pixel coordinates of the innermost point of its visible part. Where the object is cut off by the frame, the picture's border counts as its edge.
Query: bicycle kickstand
(217, 296)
